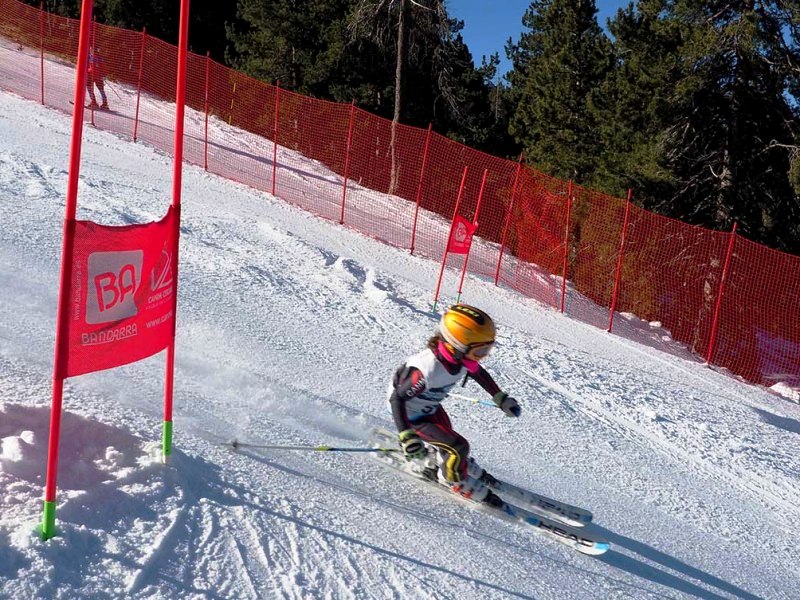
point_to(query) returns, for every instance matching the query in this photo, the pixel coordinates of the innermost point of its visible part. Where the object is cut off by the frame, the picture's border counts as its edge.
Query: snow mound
(785, 390)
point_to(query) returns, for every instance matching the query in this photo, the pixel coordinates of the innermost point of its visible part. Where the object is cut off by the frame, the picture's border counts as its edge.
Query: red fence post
(713, 337)
(139, 83)
(419, 186)
(41, 44)
(566, 248)
(619, 261)
(447, 241)
(475, 223)
(205, 135)
(65, 278)
(274, 134)
(508, 218)
(347, 159)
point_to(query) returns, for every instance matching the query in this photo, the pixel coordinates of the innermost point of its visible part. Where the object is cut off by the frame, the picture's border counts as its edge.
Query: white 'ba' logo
(114, 277)
(460, 233)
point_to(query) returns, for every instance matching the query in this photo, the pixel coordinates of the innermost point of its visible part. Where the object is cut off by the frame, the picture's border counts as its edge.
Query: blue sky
(489, 23)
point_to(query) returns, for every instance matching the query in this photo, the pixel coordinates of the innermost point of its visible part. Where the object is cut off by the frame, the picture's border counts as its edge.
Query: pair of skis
(552, 518)
(97, 107)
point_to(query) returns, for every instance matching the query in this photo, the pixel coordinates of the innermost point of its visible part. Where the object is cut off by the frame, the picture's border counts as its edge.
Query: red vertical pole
(275, 135)
(713, 338)
(419, 186)
(139, 83)
(508, 218)
(347, 159)
(205, 137)
(177, 172)
(41, 44)
(475, 223)
(566, 248)
(65, 278)
(449, 235)
(619, 261)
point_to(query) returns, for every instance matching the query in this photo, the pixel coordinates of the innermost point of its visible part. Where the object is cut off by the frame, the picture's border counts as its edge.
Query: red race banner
(461, 236)
(121, 305)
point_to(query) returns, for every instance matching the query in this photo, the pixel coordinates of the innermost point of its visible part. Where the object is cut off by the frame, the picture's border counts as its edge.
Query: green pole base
(48, 527)
(166, 440)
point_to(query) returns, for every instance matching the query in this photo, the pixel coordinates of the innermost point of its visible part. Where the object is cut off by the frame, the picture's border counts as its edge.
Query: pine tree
(632, 107)
(287, 40)
(705, 125)
(420, 32)
(559, 63)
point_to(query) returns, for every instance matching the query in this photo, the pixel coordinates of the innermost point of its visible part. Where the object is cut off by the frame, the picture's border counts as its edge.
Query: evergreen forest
(694, 105)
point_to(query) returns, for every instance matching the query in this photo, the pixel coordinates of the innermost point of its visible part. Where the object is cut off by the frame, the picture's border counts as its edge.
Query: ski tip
(600, 548)
(596, 549)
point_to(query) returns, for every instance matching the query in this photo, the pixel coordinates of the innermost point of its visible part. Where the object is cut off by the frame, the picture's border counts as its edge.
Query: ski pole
(113, 90)
(235, 444)
(473, 400)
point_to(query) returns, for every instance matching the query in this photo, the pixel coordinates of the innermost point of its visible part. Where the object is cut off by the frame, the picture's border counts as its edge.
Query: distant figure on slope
(95, 76)
(464, 337)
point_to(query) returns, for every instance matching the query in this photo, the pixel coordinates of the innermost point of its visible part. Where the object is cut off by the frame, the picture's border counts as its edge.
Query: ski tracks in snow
(648, 419)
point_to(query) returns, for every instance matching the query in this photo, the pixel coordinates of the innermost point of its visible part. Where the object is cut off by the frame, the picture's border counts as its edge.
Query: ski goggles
(479, 351)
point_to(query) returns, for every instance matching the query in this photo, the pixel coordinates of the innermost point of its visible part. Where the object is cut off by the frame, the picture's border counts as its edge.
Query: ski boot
(469, 487)
(426, 467)
(479, 473)
(494, 500)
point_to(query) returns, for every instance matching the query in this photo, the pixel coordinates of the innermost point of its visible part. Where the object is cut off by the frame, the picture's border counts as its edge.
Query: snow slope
(288, 328)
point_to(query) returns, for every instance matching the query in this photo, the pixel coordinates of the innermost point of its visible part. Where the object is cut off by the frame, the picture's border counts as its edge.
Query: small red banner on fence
(122, 294)
(461, 236)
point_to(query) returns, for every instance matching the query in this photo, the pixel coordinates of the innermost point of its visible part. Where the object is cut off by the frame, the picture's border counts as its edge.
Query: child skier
(96, 77)
(465, 336)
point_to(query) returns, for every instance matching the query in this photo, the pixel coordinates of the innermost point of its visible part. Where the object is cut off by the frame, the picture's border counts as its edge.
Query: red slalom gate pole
(180, 109)
(48, 528)
(347, 158)
(275, 135)
(475, 223)
(139, 83)
(41, 45)
(619, 261)
(205, 135)
(508, 218)
(449, 235)
(713, 338)
(419, 186)
(566, 248)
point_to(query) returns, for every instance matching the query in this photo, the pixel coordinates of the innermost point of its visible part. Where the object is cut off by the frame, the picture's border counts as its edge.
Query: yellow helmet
(465, 328)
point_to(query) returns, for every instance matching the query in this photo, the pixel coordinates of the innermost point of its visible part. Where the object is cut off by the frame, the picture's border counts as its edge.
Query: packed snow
(289, 327)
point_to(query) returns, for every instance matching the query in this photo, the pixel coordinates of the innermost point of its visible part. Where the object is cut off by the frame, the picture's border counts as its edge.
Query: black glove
(411, 444)
(507, 404)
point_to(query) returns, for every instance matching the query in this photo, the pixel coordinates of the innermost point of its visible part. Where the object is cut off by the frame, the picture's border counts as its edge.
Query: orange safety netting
(533, 230)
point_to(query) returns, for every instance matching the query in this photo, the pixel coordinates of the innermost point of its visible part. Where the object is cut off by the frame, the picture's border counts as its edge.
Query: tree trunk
(398, 84)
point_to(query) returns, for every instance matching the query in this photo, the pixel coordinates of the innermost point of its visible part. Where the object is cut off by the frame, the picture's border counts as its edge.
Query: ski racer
(96, 77)
(464, 337)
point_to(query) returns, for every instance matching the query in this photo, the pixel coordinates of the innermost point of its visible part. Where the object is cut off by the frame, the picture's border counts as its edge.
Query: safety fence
(731, 301)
